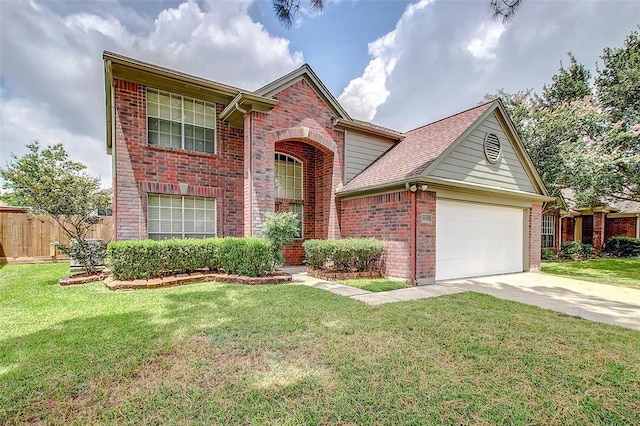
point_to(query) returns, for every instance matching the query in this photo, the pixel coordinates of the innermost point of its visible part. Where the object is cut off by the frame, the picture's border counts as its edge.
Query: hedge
(623, 246)
(575, 250)
(130, 260)
(349, 254)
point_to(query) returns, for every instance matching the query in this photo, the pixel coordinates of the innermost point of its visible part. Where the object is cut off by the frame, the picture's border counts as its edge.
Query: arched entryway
(303, 174)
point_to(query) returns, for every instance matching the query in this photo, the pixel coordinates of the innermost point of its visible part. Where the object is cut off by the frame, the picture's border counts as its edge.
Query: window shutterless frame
(180, 122)
(175, 216)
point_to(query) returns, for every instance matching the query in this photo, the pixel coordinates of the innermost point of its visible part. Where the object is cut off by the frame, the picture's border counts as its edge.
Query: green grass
(376, 285)
(625, 272)
(290, 354)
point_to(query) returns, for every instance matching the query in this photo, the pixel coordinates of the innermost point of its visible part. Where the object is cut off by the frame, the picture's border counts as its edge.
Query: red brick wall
(425, 237)
(620, 227)
(535, 238)
(142, 168)
(303, 117)
(386, 217)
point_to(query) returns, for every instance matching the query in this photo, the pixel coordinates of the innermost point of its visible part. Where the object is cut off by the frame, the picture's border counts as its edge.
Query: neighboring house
(194, 158)
(589, 225)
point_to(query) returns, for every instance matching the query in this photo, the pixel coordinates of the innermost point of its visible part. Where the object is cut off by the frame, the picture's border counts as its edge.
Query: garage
(477, 239)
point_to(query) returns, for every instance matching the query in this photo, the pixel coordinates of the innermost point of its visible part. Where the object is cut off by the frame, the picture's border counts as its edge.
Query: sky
(396, 63)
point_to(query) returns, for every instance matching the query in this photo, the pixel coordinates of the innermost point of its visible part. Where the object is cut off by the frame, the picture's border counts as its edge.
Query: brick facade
(387, 217)
(535, 239)
(620, 227)
(143, 169)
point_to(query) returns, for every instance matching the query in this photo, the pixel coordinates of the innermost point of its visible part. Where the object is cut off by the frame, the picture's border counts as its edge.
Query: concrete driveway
(596, 302)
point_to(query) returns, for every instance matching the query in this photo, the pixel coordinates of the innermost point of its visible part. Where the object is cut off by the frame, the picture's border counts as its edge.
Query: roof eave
(244, 103)
(353, 125)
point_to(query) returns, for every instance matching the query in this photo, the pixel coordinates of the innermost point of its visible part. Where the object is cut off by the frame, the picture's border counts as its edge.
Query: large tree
(584, 140)
(52, 184)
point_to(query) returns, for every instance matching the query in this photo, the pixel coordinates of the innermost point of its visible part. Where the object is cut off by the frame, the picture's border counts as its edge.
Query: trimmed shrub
(623, 246)
(575, 250)
(130, 260)
(279, 228)
(548, 254)
(349, 254)
(186, 255)
(245, 256)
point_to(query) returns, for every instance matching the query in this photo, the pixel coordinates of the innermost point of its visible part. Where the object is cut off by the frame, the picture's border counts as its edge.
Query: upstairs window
(176, 121)
(548, 231)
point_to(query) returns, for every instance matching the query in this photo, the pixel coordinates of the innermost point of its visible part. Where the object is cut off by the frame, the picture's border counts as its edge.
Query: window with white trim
(548, 231)
(175, 216)
(288, 180)
(179, 122)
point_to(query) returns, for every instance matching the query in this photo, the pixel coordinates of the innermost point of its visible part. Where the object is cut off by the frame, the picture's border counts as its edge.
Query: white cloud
(484, 44)
(52, 73)
(364, 94)
(444, 56)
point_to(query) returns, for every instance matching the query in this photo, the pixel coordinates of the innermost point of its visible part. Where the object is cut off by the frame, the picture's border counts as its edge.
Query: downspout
(638, 225)
(414, 236)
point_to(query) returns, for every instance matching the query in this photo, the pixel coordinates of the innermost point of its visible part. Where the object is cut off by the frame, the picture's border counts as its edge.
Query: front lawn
(290, 354)
(376, 285)
(624, 272)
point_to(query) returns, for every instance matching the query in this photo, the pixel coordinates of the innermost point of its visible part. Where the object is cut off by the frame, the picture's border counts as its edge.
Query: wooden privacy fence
(29, 238)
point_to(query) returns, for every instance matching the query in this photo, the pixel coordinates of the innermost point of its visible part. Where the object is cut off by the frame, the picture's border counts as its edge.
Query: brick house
(191, 158)
(589, 225)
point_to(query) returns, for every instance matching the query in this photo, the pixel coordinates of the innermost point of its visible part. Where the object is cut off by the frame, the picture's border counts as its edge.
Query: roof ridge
(452, 115)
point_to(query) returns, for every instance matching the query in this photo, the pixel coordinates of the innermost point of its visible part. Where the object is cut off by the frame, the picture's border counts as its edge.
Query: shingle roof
(420, 147)
(620, 206)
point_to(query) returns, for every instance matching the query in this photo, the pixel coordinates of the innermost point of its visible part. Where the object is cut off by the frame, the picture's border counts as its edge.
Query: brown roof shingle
(410, 157)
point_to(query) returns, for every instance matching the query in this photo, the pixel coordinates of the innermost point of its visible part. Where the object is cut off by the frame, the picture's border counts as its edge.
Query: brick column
(598, 230)
(258, 174)
(535, 238)
(425, 237)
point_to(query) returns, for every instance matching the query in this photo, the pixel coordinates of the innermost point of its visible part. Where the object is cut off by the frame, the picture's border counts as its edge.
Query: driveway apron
(596, 302)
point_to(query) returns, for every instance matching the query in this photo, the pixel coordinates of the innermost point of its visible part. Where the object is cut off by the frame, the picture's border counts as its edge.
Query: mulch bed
(175, 280)
(337, 276)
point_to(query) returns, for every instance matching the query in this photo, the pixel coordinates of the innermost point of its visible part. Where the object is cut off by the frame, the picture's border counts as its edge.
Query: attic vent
(492, 147)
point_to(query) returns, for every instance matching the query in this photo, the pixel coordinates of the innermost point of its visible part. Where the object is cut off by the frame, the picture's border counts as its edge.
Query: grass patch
(289, 354)
(376, 285)
(624, 272)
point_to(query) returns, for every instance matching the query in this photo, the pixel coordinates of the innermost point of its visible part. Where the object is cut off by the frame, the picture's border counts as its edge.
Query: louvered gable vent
(492, 147)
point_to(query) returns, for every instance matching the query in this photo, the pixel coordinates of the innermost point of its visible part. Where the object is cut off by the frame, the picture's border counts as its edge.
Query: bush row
(623, 246)
(148, 258)
(349, 254)
(575, 250)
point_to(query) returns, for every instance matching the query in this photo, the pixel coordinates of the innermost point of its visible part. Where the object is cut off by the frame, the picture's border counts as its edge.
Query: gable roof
(418, 150)
(307, 73)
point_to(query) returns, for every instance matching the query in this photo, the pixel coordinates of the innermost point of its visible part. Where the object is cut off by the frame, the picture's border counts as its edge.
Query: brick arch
(306, 135)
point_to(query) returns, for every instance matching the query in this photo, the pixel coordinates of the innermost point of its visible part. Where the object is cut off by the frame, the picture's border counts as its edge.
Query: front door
(587, 230)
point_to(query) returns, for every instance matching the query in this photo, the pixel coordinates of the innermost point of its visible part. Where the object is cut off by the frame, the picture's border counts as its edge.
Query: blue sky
(397, 63)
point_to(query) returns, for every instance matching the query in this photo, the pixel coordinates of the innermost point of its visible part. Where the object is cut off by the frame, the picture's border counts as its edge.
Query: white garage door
(477, 239)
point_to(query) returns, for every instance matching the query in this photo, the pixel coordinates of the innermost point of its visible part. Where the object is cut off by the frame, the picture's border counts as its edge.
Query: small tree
(50, 183)
(280, 228)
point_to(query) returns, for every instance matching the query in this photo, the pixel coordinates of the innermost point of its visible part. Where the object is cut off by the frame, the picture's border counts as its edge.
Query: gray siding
(467, 162)
(360, 151)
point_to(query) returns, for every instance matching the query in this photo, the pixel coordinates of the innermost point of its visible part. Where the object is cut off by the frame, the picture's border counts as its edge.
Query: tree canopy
(586, 136)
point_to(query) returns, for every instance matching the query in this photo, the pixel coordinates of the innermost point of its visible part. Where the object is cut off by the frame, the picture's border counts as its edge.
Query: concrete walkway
(401, 295)
(596, 302)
